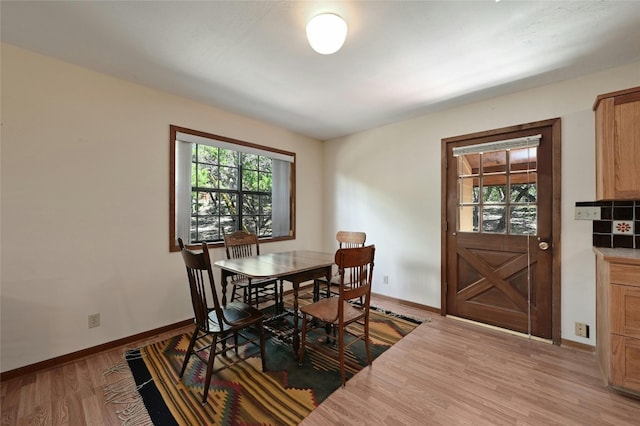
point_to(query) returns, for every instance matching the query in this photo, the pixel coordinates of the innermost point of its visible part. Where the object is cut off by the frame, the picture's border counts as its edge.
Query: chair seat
(327, 310)
(235, 313)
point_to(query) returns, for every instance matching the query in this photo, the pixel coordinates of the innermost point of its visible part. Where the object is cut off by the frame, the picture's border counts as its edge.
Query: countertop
(621, 255)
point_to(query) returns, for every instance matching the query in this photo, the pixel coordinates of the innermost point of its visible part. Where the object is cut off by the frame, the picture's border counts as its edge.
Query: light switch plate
(587, 213)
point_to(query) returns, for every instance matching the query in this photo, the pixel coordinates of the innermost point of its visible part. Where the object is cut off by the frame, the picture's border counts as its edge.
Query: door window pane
(494, 194)
(498, 192)
(468, 220)
(494, 219)
(469, 190)
(524, 193)
(523, 220)
(494, 162)
(523, 159)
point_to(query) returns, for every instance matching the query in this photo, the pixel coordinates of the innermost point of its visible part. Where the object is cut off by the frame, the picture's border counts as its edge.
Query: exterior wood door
(501, 228)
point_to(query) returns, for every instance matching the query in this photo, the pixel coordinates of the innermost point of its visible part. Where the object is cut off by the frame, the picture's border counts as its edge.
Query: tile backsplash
(619, 224)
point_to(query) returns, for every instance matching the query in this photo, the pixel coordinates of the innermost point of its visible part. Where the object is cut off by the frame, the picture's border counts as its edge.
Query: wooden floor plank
(60, 411)
(445, 372)
(448, 372)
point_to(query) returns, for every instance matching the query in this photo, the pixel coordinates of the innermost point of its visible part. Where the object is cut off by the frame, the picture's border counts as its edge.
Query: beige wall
(84, 161)
(84, 171)
(386, 181)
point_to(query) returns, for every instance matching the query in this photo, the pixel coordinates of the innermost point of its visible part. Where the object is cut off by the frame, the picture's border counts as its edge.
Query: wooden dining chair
(235, 321)
(345, 311)
(254, 291)
(346, 239)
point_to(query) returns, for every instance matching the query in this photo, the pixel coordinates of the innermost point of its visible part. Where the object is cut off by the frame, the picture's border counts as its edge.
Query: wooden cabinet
(618, 145)
(618, 317)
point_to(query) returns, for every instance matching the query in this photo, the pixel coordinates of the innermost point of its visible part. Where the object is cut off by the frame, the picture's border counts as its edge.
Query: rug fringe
(126, 389)
(123, 366)
(119, 368)
(135, 414)
(126, 392)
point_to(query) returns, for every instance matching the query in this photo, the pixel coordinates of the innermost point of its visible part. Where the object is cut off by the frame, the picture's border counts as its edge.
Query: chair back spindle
(355, 268)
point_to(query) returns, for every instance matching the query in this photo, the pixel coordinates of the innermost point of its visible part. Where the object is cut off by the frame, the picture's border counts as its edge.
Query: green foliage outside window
(230, 190)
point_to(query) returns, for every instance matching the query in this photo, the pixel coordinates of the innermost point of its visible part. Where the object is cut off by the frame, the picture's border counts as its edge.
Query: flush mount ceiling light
(326, 33)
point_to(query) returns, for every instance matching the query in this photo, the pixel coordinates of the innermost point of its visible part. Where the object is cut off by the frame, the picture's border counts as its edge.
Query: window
(220, 185)
(498, 187)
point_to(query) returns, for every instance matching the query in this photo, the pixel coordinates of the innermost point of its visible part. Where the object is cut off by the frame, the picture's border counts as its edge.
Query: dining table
(295, 267)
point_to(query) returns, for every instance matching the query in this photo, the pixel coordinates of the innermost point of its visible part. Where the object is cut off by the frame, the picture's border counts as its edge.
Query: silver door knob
(543, 245)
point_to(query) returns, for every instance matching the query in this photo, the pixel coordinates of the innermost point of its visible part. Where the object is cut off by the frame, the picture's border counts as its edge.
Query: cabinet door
(625, 310)
(625, 363)
(618, 146)
(627, 149)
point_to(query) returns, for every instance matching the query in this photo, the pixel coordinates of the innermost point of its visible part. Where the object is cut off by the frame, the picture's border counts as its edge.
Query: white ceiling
(401, 58)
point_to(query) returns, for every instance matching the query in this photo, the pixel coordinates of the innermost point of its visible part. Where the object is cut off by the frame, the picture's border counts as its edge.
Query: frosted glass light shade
(326, 33)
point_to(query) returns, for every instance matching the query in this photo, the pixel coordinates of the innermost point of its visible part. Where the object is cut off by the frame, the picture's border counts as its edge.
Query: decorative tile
(622, 227)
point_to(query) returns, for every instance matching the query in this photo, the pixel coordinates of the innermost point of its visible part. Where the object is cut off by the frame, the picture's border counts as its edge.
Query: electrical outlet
(94, 320)
(385, 279)
(587, 213)
(582, 329)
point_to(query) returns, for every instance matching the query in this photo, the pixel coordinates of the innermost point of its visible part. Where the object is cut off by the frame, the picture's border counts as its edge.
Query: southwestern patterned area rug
(242, 394)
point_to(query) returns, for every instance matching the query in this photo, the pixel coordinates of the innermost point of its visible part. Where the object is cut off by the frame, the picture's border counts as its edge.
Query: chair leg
(303, 340)
(207, 380)
(257, 298)
(366, 340)
(328, 327)
(247, 294)
(234, 294)
(341, 353)
(192, 343)
(262, 345)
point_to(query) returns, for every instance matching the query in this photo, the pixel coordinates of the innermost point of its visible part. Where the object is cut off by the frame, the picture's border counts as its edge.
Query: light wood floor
(445, 372)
